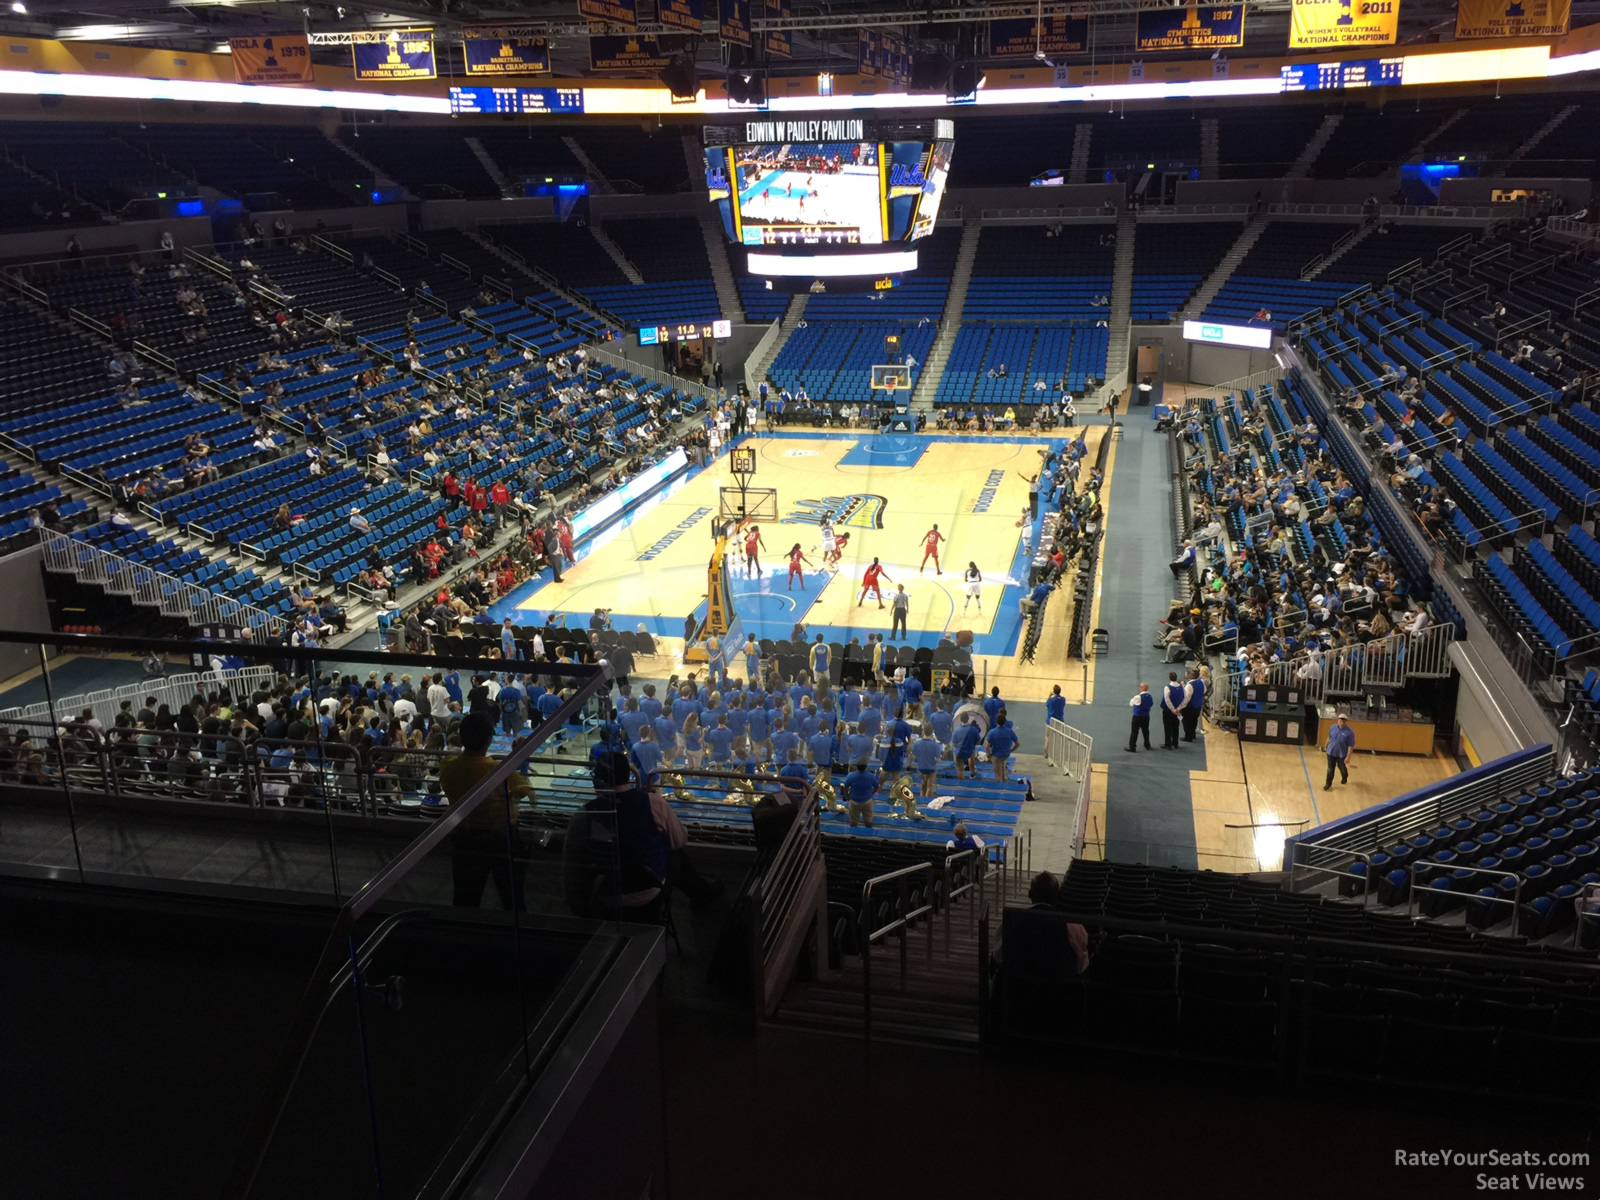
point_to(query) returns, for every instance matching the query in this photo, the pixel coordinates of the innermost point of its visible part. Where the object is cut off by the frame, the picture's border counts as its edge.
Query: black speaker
(680, 76)
(963, 79)
(929, 72)
(747, 87)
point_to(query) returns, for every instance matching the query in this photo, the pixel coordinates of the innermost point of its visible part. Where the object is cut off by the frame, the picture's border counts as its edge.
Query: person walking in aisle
(901, 604)
(1055, 706)
(974, 580)
(1341, 740)
(1174, 696)
(1196, 706)
(1141, 705)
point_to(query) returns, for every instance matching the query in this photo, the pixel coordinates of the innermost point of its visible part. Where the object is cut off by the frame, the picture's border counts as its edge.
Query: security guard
(1141, 705)
(1173, 699)
(1196, 705)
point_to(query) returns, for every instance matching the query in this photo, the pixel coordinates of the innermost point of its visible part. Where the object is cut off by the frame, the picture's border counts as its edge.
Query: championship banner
(281, 58)
(1020, 37)
(777, 40)
(612, 12)
(1334, 24)
(385, 54)
(1512, 18)
(867, 53)
(624, 53)
(1191, 28)
(681, 14)
(733, 22)
(489, 54)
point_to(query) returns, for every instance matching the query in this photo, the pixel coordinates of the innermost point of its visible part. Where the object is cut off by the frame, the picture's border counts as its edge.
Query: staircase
(1235, 255)
(1342, 247)
(544, 279)
(594, 174)
(1541, 133)
(616, 254)
(507, 189)
(937, 1004)
(721, 269)
(1082, 135)
(1433, 134)
(378, 176)
(1210, 148)
(1301, 167)
(1120, 318)
(950, 322)
(755, 369)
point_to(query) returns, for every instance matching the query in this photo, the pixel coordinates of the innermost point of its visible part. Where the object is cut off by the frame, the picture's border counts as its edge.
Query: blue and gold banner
(733, 22)
(777, 40)
(1193, 27)
(624, 52)
(280, 58)
(487, 53)
(681, 14)
(1333, 24)
(384, 54)
(867, 53)
(1020, 37)
(613, 12)
(1512, 18)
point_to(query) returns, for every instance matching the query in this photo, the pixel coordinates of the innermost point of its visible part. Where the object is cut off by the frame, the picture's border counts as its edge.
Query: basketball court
(885, 491)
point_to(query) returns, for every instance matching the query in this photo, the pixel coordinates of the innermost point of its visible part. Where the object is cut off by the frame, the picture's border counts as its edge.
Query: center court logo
(856, 511)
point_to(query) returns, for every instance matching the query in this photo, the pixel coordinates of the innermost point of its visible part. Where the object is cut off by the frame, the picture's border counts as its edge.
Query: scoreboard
(684, 331)
(1351, 73)
(515, 100)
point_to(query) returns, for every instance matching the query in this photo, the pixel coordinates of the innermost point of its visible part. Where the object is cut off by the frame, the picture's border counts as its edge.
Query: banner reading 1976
(280, 58)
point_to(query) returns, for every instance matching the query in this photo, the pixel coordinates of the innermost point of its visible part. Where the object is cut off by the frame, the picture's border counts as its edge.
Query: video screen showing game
(817, 194)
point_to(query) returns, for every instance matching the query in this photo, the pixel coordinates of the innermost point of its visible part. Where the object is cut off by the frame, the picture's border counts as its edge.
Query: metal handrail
(976, 879)
(1296, 867)
(899, 925)
(1516, 892)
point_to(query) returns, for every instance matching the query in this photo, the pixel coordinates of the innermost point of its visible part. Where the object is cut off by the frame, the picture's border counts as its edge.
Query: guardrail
(1061, 213)
(147, 587)
(1073, 751)
(789, 899)
(171, 690)
(906, 914)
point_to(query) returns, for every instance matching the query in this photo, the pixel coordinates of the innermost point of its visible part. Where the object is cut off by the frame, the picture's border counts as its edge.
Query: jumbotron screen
(828, 195)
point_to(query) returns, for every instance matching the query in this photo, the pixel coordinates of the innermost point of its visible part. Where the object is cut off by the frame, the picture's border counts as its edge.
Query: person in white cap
(358, 521)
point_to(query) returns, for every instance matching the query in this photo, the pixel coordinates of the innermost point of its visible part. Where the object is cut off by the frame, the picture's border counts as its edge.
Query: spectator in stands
(478, 847)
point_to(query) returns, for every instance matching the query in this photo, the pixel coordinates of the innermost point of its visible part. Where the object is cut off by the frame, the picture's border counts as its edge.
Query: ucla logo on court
(855, 511)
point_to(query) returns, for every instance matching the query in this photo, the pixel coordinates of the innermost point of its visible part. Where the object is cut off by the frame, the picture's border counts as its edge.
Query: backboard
(891, 377)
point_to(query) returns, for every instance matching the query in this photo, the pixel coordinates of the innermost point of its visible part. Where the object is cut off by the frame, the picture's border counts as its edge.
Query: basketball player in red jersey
(930, 549)
(795, 559)
(869, 583)
(752, 545)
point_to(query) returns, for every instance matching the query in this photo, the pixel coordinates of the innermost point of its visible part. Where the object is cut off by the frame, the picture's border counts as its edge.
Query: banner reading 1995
(1193, 27)
(393, 54)
(1328, 24)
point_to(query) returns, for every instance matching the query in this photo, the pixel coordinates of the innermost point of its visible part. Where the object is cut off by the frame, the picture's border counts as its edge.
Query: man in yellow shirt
(479, 847)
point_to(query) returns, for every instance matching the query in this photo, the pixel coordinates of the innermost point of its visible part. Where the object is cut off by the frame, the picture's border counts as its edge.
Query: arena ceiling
(823, 34)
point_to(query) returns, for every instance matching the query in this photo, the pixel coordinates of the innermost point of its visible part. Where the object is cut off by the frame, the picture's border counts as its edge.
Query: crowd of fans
(1261, 597)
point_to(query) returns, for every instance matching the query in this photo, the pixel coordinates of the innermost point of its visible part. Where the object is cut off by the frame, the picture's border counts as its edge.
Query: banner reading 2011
(1329, 24)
